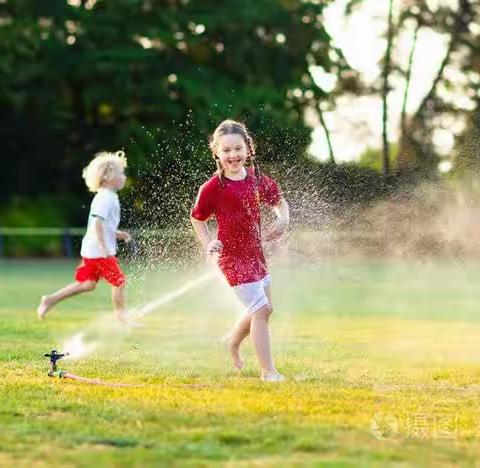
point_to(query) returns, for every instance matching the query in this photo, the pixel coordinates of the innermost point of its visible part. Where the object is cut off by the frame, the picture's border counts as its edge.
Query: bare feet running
(44, 307)
(127, 321)
(235, 353)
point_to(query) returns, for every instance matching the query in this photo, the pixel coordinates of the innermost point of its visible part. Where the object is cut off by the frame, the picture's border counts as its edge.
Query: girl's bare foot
(235, 353)
(127, 321)
(44, 307)
(272, 376)
(227, 344)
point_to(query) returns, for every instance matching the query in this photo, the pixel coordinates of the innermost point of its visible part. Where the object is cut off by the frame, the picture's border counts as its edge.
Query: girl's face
(232, 152)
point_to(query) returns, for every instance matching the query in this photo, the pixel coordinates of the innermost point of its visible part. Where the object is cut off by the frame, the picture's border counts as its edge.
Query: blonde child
(233, 196)
(105, 176)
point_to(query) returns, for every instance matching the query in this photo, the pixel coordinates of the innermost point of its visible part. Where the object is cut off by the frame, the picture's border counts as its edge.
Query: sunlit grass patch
(372, 380)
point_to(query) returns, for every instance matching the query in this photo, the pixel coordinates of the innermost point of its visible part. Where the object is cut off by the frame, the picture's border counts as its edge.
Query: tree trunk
(416, 121)
(402, 157)
(327, 135)
(386, 74)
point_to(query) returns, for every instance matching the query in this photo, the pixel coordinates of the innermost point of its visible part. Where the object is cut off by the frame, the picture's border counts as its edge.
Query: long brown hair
(229, 127)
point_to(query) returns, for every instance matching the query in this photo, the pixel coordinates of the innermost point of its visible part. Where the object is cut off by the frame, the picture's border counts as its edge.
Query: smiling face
(232, 152)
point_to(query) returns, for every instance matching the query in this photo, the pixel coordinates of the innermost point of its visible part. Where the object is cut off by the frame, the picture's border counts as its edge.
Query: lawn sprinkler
(55, 356)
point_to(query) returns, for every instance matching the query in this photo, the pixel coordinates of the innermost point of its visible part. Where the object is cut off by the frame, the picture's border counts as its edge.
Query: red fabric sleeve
(203, 208)
(269, 191)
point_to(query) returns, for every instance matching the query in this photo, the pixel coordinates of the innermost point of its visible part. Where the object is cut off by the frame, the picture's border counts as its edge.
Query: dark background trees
(153, 77)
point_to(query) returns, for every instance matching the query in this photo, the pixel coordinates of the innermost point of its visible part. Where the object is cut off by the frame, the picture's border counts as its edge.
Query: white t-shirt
(106, 206)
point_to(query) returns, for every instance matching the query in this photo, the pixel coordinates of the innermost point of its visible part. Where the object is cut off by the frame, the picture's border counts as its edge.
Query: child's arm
(201, 229)
(280, 225)
(100, 235)
(124, 236)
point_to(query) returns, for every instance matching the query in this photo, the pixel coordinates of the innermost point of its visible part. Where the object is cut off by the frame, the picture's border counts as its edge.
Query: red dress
(236, 207)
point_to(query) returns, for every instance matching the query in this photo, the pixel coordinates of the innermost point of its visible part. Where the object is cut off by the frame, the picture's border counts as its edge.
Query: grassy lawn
(382, 360)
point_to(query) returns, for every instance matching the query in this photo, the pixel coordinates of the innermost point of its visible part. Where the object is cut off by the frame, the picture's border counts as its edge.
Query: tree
(153, 77)
(385, 91)
(418, 129)
(417, 154)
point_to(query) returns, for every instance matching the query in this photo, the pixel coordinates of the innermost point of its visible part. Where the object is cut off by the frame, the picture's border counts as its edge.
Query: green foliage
(456, 22)
(337, 184)
(372, 157)
(467, 150)
(153, 77)
(42, 211)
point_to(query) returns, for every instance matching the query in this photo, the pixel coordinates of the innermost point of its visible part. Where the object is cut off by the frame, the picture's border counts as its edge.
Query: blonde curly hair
(102, 168)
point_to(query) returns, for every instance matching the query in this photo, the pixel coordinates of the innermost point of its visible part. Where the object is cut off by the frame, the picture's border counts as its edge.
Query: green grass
(359, 342)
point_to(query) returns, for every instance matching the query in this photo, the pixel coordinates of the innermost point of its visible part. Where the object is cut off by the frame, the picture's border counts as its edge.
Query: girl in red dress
(233, 197)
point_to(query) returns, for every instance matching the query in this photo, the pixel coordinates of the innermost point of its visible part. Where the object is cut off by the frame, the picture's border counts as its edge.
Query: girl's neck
(240, 175)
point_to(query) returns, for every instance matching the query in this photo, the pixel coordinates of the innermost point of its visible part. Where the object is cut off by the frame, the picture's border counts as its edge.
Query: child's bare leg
(238, 334)
(47, 302)
(240, 331)
(271, 375)
(118, 300)
(260, 336)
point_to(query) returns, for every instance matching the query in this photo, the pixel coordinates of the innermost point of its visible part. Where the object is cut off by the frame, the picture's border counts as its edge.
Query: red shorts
(92, 269)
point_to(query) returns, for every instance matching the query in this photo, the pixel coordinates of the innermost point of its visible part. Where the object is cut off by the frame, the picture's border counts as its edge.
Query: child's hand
(276, 230)
(214, 246)
(123, 235)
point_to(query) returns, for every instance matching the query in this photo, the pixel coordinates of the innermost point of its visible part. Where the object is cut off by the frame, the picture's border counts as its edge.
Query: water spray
(55, 356)
(77, 347)
(171, 296)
